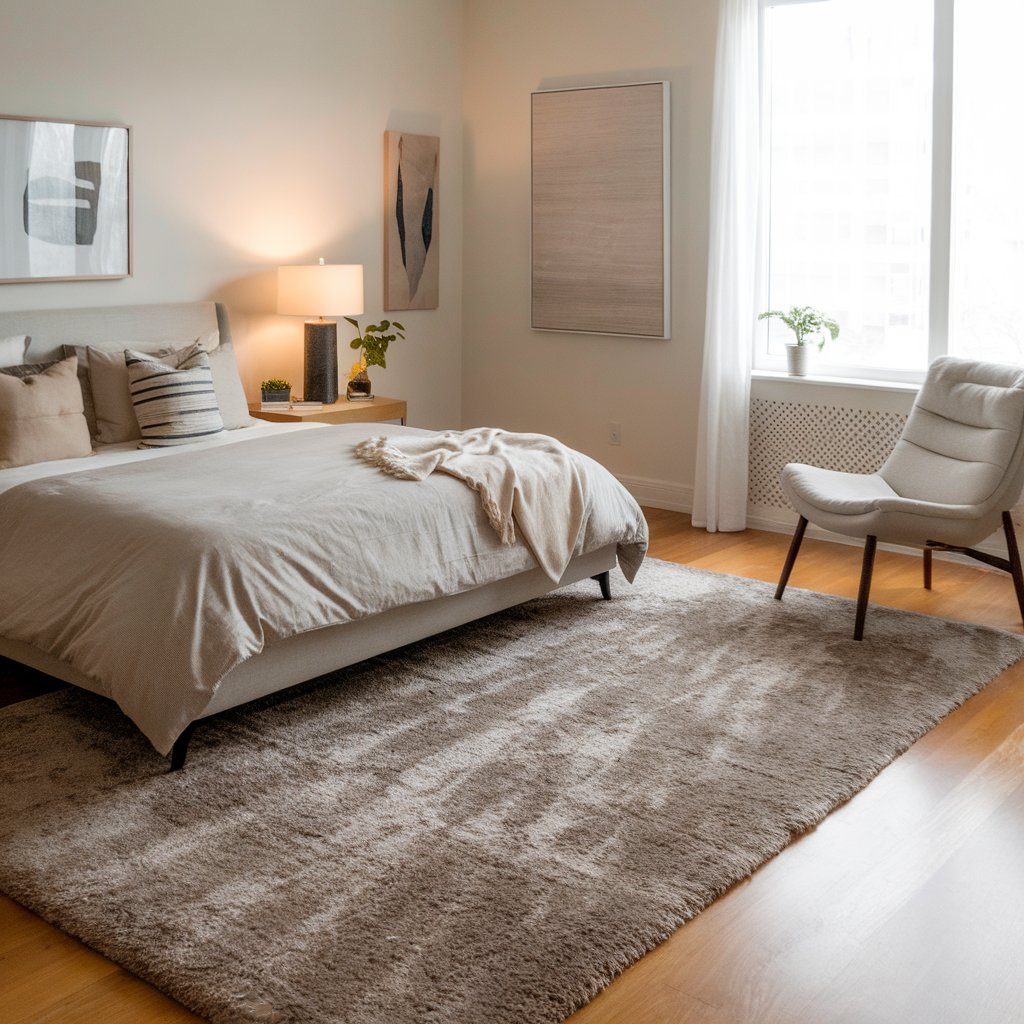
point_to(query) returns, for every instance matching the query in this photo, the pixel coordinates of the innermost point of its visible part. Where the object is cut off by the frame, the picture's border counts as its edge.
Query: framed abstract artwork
(65, 210)
(600, 231)
(411, 221)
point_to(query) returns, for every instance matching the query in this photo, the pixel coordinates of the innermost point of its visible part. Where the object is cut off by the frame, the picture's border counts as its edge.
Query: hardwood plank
(944, 956)
(903, 905)
(44, 968)
(640, 997)
(117, 998)
(17, 925)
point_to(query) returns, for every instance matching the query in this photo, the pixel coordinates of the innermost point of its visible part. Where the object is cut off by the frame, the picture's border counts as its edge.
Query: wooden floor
(905, 905)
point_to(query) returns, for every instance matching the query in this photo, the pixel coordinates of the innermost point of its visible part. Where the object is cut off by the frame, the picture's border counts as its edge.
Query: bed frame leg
(180, 748)
(604, 581)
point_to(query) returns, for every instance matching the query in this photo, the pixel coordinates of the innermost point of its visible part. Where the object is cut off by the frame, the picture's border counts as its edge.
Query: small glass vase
(359, 388)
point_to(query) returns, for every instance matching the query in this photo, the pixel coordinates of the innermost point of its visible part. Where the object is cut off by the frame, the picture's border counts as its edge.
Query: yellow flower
(357, 368)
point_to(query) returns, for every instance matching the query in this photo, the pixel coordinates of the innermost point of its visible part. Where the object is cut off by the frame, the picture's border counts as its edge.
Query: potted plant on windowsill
(373, 345)
(805, 322)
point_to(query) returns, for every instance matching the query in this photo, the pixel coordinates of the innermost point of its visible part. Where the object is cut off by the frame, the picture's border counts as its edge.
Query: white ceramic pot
(796, 360)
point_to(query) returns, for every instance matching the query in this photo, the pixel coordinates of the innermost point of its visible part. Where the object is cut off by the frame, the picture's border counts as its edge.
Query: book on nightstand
(275, 406)
(307, 405)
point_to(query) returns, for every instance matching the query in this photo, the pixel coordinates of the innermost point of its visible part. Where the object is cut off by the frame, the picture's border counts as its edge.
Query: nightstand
(342, 411)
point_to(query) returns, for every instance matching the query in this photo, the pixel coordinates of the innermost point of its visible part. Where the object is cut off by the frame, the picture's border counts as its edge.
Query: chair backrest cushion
(964, 439)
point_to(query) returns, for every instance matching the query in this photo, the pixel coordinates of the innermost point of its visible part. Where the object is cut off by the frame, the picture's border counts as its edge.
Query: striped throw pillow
(174, 405)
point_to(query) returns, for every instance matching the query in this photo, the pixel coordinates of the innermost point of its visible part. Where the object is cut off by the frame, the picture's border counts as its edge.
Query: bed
(185, 581)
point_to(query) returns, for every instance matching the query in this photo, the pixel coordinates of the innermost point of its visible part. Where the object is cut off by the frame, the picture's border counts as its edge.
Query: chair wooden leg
(927, 568)
(794, 550)
(865, 586)
(1014, 556)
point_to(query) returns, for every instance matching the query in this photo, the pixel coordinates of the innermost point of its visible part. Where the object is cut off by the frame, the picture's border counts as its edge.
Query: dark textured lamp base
(320, 371)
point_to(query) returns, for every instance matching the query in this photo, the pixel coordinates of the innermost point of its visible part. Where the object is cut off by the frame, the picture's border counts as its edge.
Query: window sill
(855, 383)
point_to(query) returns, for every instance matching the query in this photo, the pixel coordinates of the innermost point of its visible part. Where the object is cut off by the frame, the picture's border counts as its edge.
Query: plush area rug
(486, 826)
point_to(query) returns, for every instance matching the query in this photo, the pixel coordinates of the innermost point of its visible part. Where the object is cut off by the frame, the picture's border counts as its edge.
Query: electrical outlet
(615, 433)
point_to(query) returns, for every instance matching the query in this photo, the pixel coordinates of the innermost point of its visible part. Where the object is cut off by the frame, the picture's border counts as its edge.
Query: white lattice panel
(851, 440)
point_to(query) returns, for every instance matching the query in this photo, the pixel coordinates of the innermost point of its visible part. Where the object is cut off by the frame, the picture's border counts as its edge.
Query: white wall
(571, 385)
(257, 140)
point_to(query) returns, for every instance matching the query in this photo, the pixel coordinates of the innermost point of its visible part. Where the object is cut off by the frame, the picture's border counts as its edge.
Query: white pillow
(174, 404)
(230, 394)
(13, 350)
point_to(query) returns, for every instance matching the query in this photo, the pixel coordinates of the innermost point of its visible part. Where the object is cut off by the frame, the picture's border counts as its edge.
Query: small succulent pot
(277, 395)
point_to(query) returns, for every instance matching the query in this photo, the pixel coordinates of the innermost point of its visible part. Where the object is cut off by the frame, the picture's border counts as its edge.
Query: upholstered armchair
(951, 480)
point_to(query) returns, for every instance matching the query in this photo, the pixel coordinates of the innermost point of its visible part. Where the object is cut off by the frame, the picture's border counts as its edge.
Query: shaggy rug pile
(486, 826)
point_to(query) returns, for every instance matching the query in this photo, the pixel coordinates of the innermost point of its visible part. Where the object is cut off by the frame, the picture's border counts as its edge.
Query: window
(890, 166)
(986, 308)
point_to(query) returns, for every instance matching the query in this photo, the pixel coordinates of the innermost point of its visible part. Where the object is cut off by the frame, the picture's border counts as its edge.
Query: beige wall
(258, 140)
(572, 385)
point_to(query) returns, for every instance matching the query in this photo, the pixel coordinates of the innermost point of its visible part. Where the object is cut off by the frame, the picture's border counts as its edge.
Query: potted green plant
(805, 322)
(373, 349)
(275, 390)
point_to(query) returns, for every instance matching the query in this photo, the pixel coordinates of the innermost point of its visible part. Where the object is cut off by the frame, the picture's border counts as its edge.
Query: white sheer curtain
(720, 488)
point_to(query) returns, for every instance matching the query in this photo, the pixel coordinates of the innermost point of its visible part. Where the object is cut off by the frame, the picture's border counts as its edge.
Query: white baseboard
(659, 493)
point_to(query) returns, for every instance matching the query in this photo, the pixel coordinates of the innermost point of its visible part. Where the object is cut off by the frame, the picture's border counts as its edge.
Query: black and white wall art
(64, 200)
(411, 221)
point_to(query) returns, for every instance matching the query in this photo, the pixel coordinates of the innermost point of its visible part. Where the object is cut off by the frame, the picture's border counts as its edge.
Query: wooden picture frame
(65, 203)
(600, 211)
(411, 221)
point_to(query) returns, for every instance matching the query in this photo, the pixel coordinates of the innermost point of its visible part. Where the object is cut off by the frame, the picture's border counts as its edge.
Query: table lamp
(334, 288)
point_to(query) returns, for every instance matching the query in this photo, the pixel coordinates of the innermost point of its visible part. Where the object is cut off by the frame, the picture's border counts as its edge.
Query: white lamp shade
(334, 289)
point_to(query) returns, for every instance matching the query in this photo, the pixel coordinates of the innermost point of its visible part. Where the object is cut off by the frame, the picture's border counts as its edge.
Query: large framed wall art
(65, 211)
(600, 234)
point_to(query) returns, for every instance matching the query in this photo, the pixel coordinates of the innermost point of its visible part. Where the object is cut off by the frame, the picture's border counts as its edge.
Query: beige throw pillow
(41, 417)
(108, 378)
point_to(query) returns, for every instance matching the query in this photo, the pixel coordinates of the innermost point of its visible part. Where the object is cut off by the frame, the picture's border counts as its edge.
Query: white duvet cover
(157, 572)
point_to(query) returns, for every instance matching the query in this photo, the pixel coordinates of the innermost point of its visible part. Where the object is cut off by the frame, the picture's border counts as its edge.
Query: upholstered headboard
(51, 328)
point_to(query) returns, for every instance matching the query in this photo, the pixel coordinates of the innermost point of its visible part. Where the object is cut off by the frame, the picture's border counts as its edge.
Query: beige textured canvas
(600, 203)
(411, 222)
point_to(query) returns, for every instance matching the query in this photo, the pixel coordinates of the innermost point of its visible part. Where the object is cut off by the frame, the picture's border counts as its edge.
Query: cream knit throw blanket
(528, 480)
